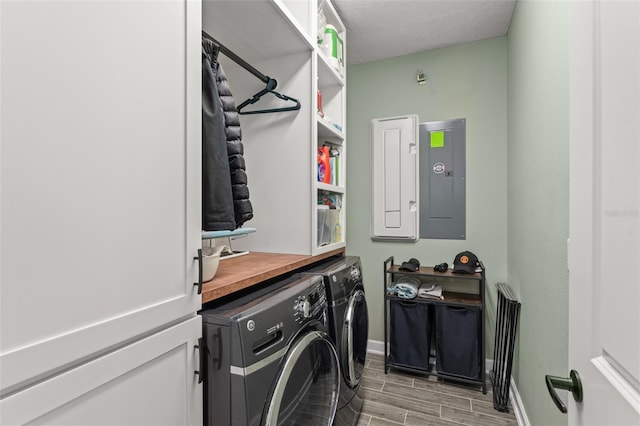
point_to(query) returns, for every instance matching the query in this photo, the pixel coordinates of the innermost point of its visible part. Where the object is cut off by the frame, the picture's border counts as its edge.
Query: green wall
(513, 91)
(466, 81)
(538, 197)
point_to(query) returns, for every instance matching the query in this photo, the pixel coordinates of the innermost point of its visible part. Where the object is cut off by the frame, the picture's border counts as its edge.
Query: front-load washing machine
(348, 328)
(269, 359)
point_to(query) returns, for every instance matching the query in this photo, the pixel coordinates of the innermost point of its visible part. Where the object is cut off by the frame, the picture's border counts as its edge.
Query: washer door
(306, 390)
(355, 334)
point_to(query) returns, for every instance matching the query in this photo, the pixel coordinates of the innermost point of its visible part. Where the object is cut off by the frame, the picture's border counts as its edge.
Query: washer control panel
(355, 273)
(302, 307)
(310, 305)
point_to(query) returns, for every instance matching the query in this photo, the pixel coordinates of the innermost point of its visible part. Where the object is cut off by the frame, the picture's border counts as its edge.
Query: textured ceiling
(380, 29)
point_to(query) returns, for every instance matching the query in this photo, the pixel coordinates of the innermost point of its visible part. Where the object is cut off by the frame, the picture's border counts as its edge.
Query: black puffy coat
(217, 197)
(243, 210)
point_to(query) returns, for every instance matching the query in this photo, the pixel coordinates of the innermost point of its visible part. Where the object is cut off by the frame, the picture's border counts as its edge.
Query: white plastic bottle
(322, 21)
(330, 45)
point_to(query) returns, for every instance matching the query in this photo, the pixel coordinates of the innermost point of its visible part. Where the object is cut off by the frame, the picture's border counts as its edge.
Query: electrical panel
(442, 179)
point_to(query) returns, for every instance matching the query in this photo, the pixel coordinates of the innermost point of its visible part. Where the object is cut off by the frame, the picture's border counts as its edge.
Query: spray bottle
(324, 167)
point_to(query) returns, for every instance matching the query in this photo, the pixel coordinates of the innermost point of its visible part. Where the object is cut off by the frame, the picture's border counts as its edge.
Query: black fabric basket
(457, 344)
(410, 334)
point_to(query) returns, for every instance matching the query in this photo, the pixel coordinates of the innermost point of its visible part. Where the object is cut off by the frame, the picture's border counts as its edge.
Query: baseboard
(518, 406)
(377, 347)
(488, 366)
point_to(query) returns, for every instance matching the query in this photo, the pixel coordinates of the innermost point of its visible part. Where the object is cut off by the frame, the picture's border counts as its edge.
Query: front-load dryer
(269, 359)
(348, 328)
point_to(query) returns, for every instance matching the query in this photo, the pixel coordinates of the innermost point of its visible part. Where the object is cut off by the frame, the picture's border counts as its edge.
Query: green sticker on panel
(437, 139)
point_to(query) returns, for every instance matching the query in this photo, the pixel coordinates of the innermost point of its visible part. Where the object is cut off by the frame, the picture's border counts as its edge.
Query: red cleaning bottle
(320, 112)
(324, 167)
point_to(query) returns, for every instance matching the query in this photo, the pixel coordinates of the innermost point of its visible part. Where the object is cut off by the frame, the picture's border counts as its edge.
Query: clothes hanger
(270, 84)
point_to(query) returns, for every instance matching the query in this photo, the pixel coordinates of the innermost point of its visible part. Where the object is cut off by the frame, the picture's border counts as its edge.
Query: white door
(100, 187)
(604, 252)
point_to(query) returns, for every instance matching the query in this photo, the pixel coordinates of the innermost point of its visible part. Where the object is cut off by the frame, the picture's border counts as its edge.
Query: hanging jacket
(217, 196)
(243, 210)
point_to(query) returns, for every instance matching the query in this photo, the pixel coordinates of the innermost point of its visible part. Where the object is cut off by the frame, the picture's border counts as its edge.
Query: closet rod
(244, 64)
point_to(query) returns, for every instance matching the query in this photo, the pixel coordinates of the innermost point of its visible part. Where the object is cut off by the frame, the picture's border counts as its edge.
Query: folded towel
(407, 288)
(430, 291)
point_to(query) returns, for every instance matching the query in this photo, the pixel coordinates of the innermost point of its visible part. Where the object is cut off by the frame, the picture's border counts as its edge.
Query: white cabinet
(278, 38)
(149, 382)
(100, 184)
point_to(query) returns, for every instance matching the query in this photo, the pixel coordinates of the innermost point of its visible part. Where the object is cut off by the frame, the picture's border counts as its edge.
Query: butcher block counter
(241, 272)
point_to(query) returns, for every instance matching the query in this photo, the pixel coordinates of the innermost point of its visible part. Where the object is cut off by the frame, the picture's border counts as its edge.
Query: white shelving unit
(330, 130)
(280, 149)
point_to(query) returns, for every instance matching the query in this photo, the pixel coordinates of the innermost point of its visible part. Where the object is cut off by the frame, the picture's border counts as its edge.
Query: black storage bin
(457, 344)
(410, 336)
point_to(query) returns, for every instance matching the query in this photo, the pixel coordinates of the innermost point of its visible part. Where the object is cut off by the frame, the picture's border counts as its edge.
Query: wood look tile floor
(399, 398)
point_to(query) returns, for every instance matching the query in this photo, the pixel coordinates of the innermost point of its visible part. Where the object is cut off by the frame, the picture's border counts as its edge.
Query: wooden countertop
(244, 271)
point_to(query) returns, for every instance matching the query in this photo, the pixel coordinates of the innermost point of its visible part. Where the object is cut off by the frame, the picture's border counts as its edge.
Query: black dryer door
(355, 334)
(306, 390)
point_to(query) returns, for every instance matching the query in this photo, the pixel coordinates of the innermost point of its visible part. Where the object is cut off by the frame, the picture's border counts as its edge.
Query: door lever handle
(572, 384)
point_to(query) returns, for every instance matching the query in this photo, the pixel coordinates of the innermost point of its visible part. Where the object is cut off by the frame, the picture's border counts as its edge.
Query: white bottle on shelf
(332, 46)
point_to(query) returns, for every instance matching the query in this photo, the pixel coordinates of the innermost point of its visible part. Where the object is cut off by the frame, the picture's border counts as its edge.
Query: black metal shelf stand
(471, 300)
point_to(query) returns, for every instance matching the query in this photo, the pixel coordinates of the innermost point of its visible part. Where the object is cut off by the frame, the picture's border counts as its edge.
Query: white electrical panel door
(100, 178)
(394, 178)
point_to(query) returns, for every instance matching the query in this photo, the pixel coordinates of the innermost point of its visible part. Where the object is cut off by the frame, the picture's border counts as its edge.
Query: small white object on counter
(210, 262)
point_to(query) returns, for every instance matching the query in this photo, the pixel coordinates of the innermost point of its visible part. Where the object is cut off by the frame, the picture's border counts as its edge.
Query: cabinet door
(149, 382)
(394, 182)
(100, 179)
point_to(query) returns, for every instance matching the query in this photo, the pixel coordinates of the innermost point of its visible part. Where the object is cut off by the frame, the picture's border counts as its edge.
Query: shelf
(331, 15)
(227, 234)
(428, 271)
(279, 38)
(268, 21)
(331, 188)
(457, 300)
(327, 130)
(330, 247)
(450, 298)
(327, 75)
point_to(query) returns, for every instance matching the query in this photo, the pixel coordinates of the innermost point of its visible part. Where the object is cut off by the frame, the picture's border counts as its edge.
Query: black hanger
(270, 82)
